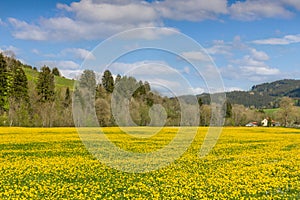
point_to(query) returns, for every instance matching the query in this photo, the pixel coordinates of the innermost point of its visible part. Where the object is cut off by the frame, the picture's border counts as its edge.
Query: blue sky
(249, 41)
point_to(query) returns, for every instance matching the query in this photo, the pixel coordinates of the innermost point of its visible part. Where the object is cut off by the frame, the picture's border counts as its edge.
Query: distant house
(264, 122)
(252, 124)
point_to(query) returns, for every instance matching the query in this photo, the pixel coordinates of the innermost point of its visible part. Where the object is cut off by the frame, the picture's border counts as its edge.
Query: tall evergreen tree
(108, 81)
(55, 71)
(68, 99)
(228, 112)
(3, 84)
(45, 85)
(20, 87)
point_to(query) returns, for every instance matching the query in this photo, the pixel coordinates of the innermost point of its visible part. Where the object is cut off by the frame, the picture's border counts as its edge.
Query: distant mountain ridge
(280, 88)
(265, 95)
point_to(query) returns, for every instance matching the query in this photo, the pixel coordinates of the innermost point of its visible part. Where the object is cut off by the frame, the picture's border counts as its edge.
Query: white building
(264, 122)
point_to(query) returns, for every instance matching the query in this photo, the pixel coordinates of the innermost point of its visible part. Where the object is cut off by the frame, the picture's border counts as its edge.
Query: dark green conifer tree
(3, 84)
(55, 71)
(108, 81)
(45, 85)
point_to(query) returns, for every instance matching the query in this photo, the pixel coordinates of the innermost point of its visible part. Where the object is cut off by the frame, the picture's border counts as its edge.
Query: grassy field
(246, 163)
(60, 82)
(271, 112)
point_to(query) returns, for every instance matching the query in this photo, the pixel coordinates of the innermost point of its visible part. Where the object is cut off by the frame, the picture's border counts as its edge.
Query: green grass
(31, 75)
(60, 82)
(271, 111)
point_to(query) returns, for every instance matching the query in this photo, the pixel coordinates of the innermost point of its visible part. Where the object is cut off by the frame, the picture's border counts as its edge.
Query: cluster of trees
(288, 114)
(108, 97)
(35, 102)
(114, 101)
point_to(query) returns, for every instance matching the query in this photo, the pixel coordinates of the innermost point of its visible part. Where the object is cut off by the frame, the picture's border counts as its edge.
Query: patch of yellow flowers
(53, 163)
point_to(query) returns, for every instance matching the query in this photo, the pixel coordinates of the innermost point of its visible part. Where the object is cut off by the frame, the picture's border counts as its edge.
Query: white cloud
(288, 39)
(2, 23)
(230, 89)
(79, 53)
(219, 47)
(89, 19)
(149, 34)
(35, 51)
(249, 68)
(293, 3)
(95, 19)
(196, 55)
(63, 64)
(95, 11)
(251, 65)
(142, 68)
(10, 50)
(195, 91)
(23, 30)
(261, 70)
(257, 9)
(72, 74)
(191, 10)
(259, 55)
(186, 70)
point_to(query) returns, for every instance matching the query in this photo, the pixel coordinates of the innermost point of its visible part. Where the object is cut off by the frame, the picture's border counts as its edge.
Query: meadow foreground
(53, 163)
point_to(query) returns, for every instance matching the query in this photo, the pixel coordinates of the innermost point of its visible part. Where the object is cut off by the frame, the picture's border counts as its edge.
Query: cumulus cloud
(257, 9)
(72, 74)
(142, 68)
(196, 55)
(191, 10)
(79, 53)
(23, 30)
(293, 3)
(288, 39)
(252, 65)
(249, 68)
(93, 11)
(259, 55)
(219, 47)
(87, 20)
(63, 64)
(94, 19)
(195, 90)
(10, 50)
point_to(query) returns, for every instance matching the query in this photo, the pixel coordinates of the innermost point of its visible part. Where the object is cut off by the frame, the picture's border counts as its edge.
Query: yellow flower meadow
(246, 163)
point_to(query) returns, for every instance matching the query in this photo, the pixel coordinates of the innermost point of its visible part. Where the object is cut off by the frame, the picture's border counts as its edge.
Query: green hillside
(280, 88)
(60, 82)
(270, 112)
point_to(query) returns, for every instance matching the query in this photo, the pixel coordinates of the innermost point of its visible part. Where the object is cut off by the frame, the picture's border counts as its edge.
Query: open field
(53, 163)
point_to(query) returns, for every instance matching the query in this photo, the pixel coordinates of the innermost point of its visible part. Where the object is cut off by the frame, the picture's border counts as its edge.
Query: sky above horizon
(248, 42)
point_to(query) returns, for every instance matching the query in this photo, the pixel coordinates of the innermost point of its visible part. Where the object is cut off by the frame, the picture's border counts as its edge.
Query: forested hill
(286, 87)
(266, 95)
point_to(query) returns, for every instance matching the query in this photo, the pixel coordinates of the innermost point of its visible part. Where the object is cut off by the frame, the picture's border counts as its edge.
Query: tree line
(40, 103)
